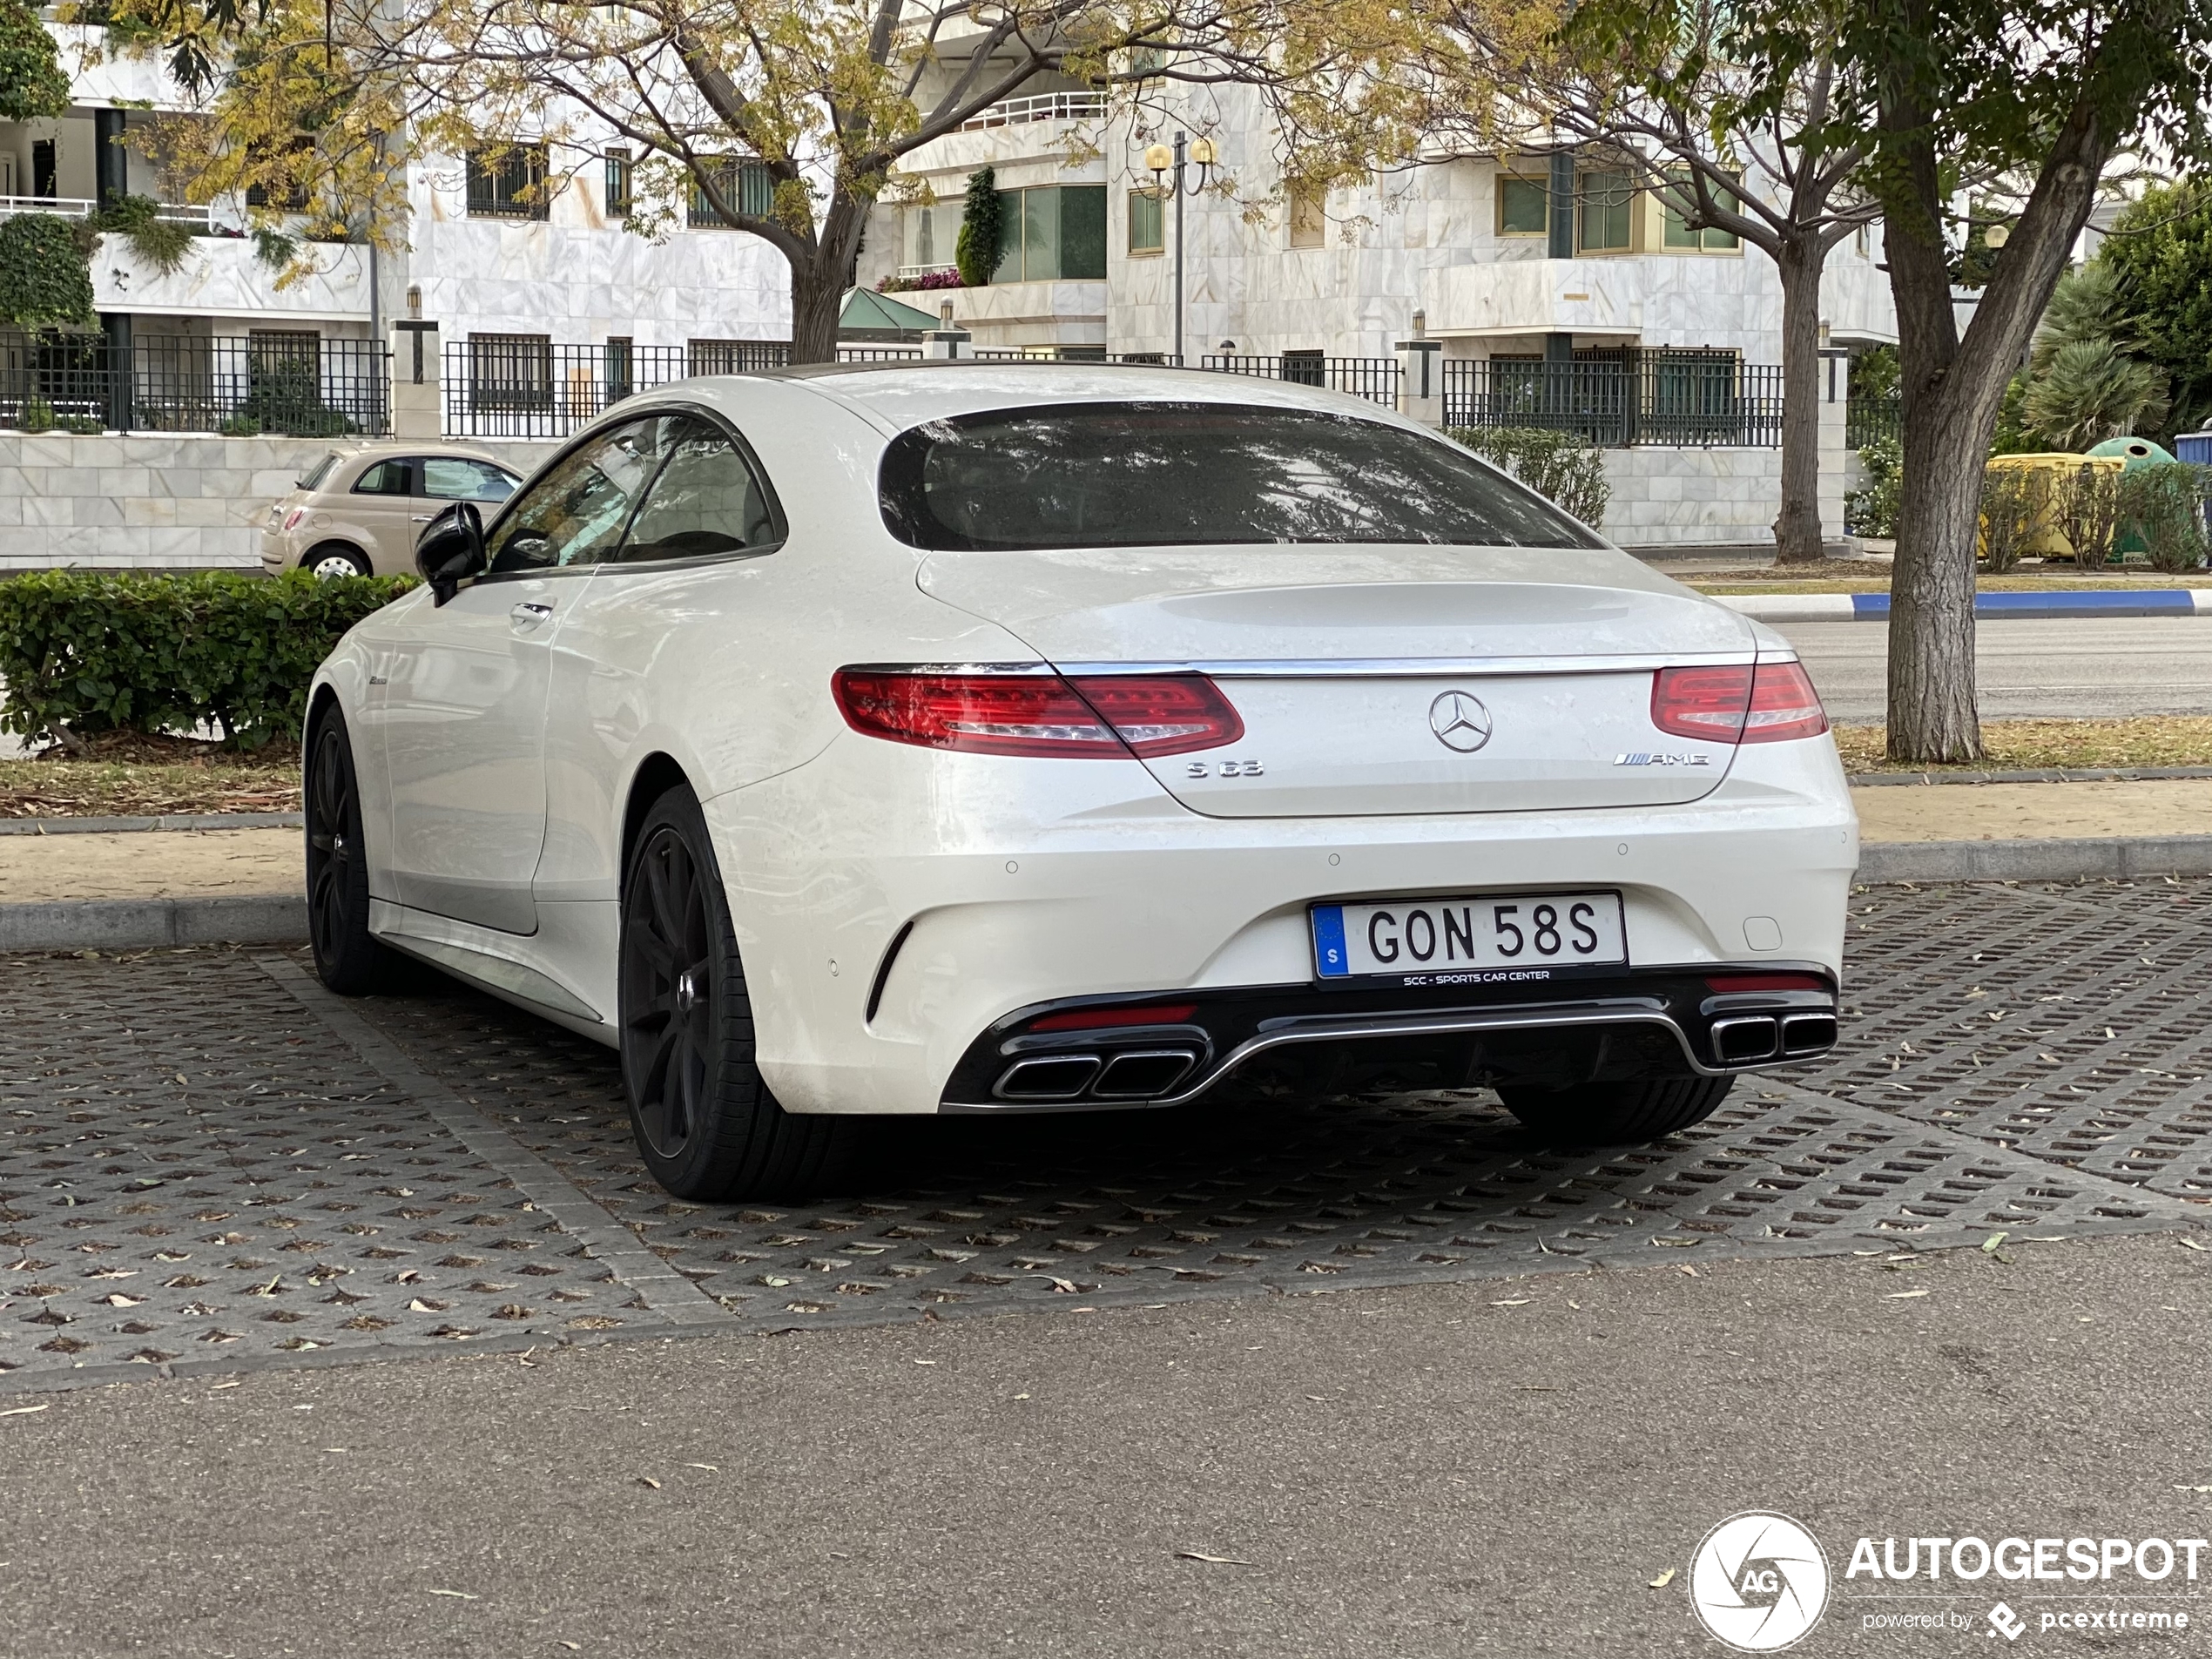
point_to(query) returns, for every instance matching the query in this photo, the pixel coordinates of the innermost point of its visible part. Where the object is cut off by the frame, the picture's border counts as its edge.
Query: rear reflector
(1104, 1019)
(1725, 982)
(1100, 717)
(1738, 703)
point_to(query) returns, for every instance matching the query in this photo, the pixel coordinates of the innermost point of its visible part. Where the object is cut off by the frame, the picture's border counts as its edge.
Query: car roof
(897, 395)
(435, 449)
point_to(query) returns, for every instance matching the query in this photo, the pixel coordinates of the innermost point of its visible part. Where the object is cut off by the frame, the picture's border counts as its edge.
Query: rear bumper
(1613, 1026)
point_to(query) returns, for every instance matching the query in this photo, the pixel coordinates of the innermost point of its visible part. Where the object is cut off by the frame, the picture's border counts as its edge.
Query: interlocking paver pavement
(208, 1162)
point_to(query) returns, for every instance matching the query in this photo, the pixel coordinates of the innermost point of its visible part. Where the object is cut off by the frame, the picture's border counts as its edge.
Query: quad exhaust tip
(1748, 1039)
(1137, 1074)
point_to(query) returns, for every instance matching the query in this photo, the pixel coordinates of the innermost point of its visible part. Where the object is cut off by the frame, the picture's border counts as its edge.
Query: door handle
(528, 614)
(423, 518)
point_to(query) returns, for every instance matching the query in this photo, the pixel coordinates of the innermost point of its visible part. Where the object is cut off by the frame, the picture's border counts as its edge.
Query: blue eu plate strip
(1328, 941)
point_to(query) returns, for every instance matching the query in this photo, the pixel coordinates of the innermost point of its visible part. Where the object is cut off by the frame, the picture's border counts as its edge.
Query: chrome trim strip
(1336, 1029)
(1419, 667)
(949, 668)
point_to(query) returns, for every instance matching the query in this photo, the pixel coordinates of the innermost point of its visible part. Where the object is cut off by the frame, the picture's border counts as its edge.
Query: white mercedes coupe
(983, 738)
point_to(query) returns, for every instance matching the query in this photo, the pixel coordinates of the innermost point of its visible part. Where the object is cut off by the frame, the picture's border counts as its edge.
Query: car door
(683, 616)
(379, 508)
(464, 710)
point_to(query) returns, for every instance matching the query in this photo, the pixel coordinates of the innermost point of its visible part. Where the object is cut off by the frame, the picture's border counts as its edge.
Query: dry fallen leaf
(24, 1411)
(1989, 1245)
(1900, 1296)
(709, 1468)
(648, 1481)
(119, 1300)
(1515, 1302)
(2191, 1244)
(1663, 1579)
(1218, 1561)
(458, 1595)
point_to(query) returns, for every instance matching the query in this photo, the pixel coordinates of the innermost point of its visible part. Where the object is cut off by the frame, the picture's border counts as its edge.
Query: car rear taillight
(1098, 717)
(1783, 704)
(292, 517)
(1738, 703)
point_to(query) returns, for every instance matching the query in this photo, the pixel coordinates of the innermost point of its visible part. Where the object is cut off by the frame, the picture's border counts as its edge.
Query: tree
(2160, 258)
(31, 82)
(2043, 93)
(1681, 100)
(2083, 385)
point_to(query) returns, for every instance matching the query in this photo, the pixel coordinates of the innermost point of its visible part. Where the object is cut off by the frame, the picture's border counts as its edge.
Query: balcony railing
(1039, 106)
(293, 385)
(199, 220)
(1694, 400)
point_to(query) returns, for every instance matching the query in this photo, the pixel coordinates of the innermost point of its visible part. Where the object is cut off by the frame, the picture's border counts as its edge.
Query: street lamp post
(1187, 151)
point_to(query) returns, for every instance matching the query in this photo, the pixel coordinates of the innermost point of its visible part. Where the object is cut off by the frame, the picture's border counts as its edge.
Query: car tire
(1625, 1113)
(706, 1121)
(336, 559)
(348, 960)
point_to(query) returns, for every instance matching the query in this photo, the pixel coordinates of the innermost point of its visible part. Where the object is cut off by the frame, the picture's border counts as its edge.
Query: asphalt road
(1492, 1468)
(2039, 669)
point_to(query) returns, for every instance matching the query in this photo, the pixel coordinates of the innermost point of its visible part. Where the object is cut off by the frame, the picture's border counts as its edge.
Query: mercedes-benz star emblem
(1459, 721)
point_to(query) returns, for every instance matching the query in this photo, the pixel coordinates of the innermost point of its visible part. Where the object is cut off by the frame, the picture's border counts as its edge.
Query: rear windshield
(313, 478)
(1180, 474)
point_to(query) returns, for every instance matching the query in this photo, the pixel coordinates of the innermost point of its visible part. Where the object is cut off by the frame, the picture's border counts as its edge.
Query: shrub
(96, 652)
(163, 244)
(976, 251)
(37, 415)
(2010, 508)
(85, 425)
(1564, 468)
(1872, 511)
(2089, 507)
(2164, 505)
(45, 277)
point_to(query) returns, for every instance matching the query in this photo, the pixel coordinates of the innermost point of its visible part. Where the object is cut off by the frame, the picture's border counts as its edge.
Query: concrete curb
(1875, 607)
(148, 924)
(2077, 775)
(2114, 856)
(173, 822)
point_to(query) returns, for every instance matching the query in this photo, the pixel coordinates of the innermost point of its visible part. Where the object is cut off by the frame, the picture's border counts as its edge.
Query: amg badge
(1662, 760)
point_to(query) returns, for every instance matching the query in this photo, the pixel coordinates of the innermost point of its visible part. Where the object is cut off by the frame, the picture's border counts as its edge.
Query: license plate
(1450, 936)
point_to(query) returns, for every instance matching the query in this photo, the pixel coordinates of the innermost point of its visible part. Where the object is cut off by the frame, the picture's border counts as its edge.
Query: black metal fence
(1866, 419)
(280, 383)
(1688, 400)
(1374, 378)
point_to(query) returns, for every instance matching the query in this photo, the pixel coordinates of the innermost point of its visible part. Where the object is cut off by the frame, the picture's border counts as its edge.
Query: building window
(1145, 61)
(507, 183)
(1677, 236)
(743, 185)
(617, 164)
(619, 376)
(1309, 216)
(1148, 230)
(1524, 206)
(1306, 367)
(1052, 231)
(932, 232)
(510, 371)
(1606, 222)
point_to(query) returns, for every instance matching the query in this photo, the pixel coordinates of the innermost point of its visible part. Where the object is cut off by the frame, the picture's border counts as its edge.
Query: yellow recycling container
(2046, 474)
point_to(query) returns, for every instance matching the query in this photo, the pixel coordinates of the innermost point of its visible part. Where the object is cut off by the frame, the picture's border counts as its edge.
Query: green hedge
(1565, 468)
(99, 653)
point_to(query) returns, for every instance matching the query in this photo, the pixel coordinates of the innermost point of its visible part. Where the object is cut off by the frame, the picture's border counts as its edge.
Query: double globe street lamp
(1162, 160)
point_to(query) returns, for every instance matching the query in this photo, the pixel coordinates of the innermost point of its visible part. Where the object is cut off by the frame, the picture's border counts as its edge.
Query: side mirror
(451, 549)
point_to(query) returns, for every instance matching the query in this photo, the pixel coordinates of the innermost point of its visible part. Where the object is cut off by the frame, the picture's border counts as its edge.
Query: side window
(452, 478)
(386, 478)
(575, 514)
(707, 500)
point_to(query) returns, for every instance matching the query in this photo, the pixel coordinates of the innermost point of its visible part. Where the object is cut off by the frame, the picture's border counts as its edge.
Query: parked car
(993, 739)
(358, 513)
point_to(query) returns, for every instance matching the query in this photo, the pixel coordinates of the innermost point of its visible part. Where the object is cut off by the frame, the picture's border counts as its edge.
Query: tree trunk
(1953, 387)
(1796, 528)
(817, 296)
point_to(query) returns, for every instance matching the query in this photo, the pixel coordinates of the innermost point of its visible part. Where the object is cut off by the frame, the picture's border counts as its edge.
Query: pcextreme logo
(1759, 1581)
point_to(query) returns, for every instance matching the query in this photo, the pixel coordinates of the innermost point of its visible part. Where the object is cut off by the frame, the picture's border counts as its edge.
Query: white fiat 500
(968, 737)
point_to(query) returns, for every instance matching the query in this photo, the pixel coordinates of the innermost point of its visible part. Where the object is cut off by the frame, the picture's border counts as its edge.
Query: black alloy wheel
(348, 958)
(706, 1122)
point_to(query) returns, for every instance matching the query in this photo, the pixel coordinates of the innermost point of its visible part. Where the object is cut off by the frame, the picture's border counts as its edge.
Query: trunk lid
(1384, 680)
